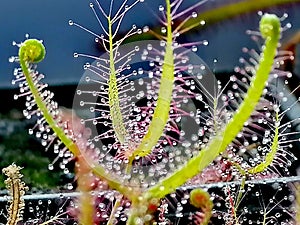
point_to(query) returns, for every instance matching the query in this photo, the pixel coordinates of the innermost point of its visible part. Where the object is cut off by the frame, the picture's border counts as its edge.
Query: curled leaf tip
(32, 51)
(269, 25)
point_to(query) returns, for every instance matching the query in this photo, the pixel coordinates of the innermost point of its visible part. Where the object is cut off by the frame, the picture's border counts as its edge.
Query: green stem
(113, 93)
(219, 143)
(29, 52)
(112, 217)
(270, 156)
(162, 109)
(240, 193)
(24, 60)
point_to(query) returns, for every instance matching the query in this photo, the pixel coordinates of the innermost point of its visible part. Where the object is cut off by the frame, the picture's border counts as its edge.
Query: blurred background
(225, 29)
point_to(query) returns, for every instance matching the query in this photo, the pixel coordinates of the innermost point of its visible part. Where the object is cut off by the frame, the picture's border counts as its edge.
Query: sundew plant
(159, 132)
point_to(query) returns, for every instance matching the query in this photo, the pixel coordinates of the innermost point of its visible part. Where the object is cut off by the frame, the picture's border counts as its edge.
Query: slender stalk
(162, 110)
(33, 51)
(270, 29)
(113, 92)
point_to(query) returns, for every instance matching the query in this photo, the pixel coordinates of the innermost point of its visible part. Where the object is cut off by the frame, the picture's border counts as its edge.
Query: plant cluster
(156, 128)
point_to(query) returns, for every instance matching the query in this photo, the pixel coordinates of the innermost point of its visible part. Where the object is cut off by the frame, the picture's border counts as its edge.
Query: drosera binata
(152, 125)
(106, 68)
(152, 101)
(40, 103)
(224, 137)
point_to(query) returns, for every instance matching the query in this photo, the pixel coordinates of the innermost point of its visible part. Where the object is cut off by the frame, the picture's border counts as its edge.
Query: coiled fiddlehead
(33, 51)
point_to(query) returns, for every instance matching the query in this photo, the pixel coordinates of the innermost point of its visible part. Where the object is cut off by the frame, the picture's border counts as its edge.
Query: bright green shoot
(270, 29)
(32, 51)
(161, 112)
